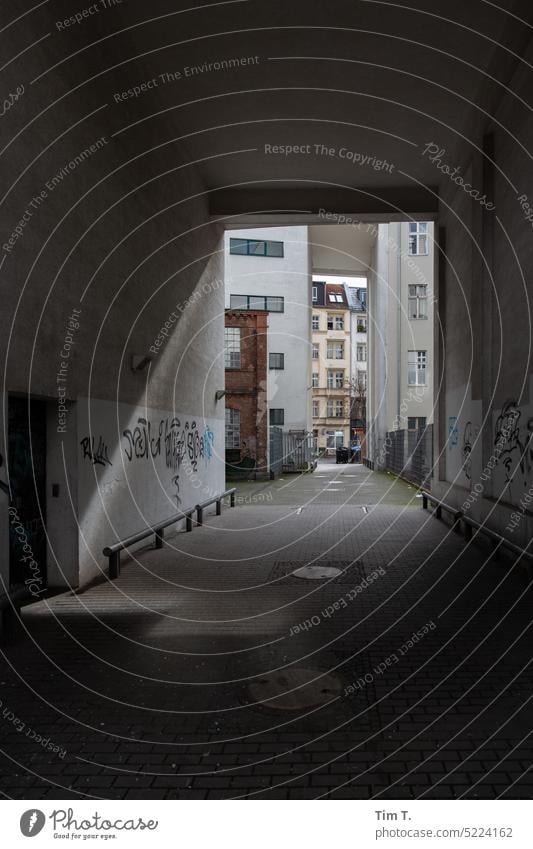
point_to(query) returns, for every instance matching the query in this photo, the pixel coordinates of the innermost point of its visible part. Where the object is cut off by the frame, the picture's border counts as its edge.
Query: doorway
(27, 477)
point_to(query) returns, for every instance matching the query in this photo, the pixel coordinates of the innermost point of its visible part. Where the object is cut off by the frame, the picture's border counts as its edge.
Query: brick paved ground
(143, 685)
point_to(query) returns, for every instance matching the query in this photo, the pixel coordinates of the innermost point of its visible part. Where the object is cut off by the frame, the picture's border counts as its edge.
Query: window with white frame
(335, 322)
(314, 380)
(335, 409)
(335, 351)
(316, 322)
(416, 368)
(361, 379)
(314, 294)
(361, 325)
(335, 379)
(316, 350)
(315, 410)
(361, 353)
(418, 238)
(232, 347)
(418, 301)
(335, 298)
(330, 438)
(233, 428)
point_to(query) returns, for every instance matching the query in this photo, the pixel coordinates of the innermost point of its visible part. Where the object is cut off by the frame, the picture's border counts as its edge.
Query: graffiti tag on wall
(97, 456)
(178, 442)
(515, 437)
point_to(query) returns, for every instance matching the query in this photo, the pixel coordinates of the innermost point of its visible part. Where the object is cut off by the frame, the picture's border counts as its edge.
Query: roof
(338, 291)
(355, 297)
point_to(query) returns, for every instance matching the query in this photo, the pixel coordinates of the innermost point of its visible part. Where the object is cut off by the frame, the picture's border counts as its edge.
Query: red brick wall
(246, 388)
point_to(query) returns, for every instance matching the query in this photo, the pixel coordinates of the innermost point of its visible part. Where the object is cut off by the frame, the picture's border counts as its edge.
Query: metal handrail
(158, 529)
(468, 523)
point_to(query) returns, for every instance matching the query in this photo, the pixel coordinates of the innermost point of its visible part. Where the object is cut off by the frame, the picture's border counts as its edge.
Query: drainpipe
(399, 316)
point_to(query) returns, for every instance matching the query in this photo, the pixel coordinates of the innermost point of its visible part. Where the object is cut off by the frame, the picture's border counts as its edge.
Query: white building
(269, 268)
(400, 334)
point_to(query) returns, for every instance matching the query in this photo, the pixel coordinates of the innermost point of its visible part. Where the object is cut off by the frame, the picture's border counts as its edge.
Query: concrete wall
(288, 332)
(122, 242)
(486, 400)
(341, 249)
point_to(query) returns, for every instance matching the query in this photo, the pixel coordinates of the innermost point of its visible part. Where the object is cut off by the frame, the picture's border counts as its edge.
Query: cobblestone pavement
(209, 670)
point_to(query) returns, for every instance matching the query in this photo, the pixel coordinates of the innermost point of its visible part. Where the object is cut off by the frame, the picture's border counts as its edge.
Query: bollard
(219, 507)
(188, 522)
(159, 537)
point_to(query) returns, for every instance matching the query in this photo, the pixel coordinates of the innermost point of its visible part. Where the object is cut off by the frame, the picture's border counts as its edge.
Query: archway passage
(135, 142)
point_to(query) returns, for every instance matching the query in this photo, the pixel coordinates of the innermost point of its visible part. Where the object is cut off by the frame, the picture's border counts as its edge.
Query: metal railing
(158, 530)
(498, 540)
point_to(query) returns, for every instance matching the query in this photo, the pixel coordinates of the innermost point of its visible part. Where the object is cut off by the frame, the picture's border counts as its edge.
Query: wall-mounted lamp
(219, 394)
(140, 363)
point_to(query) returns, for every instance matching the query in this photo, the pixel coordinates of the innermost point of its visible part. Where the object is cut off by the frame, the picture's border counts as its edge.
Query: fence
(409, 453)
(290, 452)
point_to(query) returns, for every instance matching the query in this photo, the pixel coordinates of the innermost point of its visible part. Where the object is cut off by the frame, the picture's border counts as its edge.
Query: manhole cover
(317, 573)
(295, 689)
(338, 571)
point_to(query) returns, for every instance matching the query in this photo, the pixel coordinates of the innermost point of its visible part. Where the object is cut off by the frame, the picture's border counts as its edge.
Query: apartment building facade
(331, 370)
(400, 338)
(269, 269)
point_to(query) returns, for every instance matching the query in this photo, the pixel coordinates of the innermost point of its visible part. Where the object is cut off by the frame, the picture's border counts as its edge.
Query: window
(257, 302)
(276, 361)
(232, 347)
(314, 380)
(418, 301)
(335, 379)
(335, 298)
(416, 371)
(316, 351)
(418, 238)
(315, 294)
(361, 353)
(315, 409)
(277, 416)
(335, 409)
(335, 322)
(361, 325)
(415, 423)
(335, 351)
(233, 428)
(361, 379)
(316, 322)
(255, 247)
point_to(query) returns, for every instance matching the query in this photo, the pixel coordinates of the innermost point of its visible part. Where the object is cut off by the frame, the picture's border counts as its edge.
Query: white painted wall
(288, 332)
(138, 466)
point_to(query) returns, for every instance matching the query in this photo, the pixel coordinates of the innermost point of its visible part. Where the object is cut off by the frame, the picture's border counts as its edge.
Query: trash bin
(342, 455)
